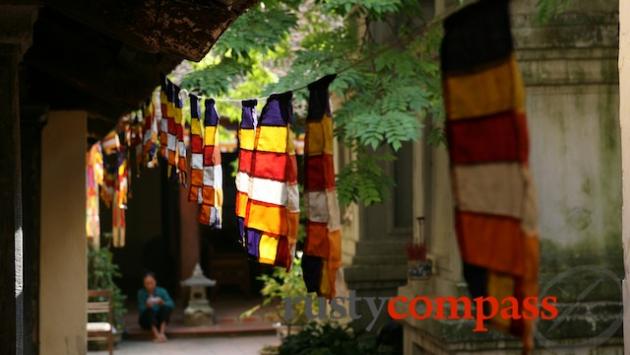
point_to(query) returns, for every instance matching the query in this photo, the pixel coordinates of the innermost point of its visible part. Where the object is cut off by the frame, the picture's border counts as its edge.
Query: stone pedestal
(198, 312)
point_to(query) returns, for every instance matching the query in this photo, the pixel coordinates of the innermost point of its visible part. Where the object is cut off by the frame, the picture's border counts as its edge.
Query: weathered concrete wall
(570, 72)
(624, 120)
(63, 263)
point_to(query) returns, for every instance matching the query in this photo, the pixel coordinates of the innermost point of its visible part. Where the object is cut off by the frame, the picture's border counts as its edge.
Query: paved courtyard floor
(228, 345)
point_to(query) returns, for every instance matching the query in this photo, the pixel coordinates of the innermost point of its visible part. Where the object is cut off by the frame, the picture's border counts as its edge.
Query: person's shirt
(143, 295)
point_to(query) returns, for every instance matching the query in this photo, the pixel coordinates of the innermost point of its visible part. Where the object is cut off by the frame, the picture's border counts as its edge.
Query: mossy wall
(570, 71)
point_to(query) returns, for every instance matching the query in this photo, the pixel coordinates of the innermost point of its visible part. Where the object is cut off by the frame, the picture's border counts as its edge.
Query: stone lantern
(198, 311)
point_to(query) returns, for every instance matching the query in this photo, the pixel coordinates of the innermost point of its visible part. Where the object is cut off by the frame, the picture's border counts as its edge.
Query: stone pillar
(63, 262)
(16, 23)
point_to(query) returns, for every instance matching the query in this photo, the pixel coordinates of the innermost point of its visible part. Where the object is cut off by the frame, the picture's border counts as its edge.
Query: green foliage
(388, 84)
(101, 274)
(259, 30)
(331, 339)
(218, 77)
(374, 8)
(281, 285)
(363, 179)
(548, 9)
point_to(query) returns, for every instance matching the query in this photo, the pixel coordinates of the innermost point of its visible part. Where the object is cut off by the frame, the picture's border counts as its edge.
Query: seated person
(155, 306)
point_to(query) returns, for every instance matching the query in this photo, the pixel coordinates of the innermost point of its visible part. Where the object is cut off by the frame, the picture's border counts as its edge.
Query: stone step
(382, 247)
(376, 272)
(222, 328)
(376, 260)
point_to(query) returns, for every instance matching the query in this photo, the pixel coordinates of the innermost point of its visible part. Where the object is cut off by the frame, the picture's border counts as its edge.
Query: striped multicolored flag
(272, 209)
(488, 147)
(136, 139)
(119, 204)
(171, 147)
(94, 178)
(110, 143)
(210, 212)
(163, 123)
(152, 116)
(196, 148)
(246, 135)
(182, 163)
(322, 247)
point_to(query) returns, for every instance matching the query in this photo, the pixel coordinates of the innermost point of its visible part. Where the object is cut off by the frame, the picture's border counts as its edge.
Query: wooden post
(16, 27)
(32, 121)
(11, 307)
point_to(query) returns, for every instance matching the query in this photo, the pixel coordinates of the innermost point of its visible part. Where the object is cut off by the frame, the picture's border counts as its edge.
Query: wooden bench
(100, 302)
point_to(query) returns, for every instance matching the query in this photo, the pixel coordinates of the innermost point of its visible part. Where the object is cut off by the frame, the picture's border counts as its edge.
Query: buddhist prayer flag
(108, 187)
(488, 147)
(94, 178)
(171, 147)
(196, 149)
(182, 165)
(136, 141)
(211, 197)
(245, 136)
(152, 116)
(163, 123)
(268, 200)
(111, 143)
(120, 199)
(322, 247)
